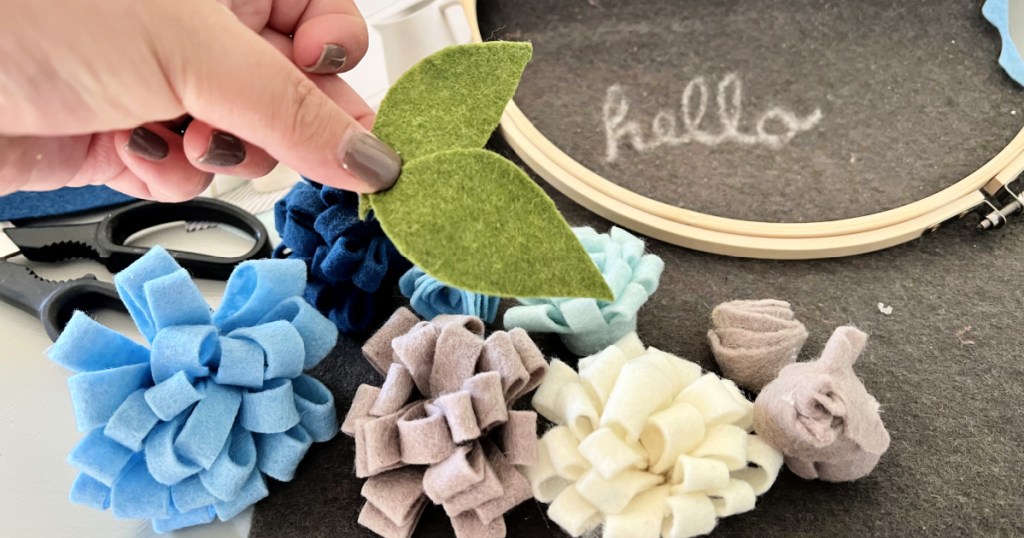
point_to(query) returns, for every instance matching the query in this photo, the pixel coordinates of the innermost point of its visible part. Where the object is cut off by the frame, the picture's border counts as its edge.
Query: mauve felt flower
(441, 428)
(587, 326)
(430, 298)
(184, 430)
(352, 263)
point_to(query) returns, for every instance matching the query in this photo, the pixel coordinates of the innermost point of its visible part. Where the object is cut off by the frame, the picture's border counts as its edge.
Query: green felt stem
(474, 220)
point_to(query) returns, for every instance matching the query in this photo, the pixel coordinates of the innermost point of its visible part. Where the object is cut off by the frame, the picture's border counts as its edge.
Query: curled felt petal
(753, 340)
(281, 453)
(271, 410)
(586, 325)
(97, 395)
(90, 492)
(99, 457)
(351, 263)
(132, 421)
(431, 298)
(315, 404)
(820, 415)
(256, 287)
(172, 426)
(444, 409)
(86, 345)
(171, 396)
(670, 452)
(230, 471)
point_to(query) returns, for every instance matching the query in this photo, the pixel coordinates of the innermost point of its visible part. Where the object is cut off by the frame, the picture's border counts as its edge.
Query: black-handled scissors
(103, 241)
(54, 302)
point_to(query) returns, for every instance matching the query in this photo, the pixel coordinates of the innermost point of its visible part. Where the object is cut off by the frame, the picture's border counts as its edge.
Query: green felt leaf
(452, 99)
(474, 220)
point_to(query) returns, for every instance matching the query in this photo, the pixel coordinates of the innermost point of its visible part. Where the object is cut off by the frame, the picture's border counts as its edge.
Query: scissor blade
(55, 243)
(22, 288)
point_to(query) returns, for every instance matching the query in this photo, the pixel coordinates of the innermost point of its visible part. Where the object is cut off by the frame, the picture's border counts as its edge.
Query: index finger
(330, 36)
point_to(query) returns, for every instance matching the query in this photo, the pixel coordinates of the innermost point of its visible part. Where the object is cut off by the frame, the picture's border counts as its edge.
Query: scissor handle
(54, 302)
(122, 223)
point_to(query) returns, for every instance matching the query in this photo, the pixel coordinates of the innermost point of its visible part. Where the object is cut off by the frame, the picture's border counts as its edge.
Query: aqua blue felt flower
(997, 12)
(431, 298)
(352, 263)
(183, 430)
(587, 326)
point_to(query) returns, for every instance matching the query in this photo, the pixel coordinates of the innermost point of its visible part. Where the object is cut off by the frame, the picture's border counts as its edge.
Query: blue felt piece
(230, 471)
(96, 395)
(281, 453)
(271, 410)
(283, 347)
(187, 348)
(166, 466)
(209, 424)
(241, 363)
(254, 288)
(315, 404)
(66, 201)
(88, 491)
(319, 335)
(171, 396)
(136, 495)
(132, 421)
(255, 488)
(431, 298)
(998, 14)
(587, 326)
(352, 263)
(131, 284)
(181, 520)
(175, 300)
(87, 345)
(100, 457)
(190, 494)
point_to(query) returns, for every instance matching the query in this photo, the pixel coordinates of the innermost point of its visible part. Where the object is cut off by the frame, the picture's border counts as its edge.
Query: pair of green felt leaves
(465, 215)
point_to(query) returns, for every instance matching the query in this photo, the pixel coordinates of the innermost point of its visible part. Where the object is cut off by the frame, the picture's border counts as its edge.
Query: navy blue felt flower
(183, 430)
(352, 264)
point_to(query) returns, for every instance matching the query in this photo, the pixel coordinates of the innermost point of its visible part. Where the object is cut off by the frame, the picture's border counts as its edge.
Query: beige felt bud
(753, 340)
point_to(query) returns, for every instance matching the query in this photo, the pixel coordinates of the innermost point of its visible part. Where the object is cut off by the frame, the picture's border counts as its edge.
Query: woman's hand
(91, 92)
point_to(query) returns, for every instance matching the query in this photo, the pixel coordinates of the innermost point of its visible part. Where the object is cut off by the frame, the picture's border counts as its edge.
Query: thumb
(231, 78)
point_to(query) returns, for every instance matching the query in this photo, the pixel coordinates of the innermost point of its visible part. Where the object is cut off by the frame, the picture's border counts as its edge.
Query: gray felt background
(946, 365)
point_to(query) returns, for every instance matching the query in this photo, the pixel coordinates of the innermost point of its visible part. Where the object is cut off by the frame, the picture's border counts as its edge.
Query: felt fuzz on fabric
(646, 445)
(753, 340)
(467, 216)
(441, 428)
(352, 264)
(587, 326)
(184, 430)
(820, 415)
(430, 298)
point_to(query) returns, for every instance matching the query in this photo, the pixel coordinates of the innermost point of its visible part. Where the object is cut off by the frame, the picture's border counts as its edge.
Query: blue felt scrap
(352, 264)
(184, 430)
(90, 492)
(431, 298)
(66, 201)
(587, 326)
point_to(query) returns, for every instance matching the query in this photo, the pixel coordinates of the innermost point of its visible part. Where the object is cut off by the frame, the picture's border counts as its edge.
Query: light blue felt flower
(587, 326)
(184, 430)
(431, 298)
(997, 12)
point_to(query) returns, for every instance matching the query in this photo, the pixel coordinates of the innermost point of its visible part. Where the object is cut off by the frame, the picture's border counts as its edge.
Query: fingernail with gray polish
(147, 144)
(366, 157)
(225, 149)
(331, 61)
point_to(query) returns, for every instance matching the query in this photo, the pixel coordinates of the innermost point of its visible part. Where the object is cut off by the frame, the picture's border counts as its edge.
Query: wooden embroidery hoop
(986, 189)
